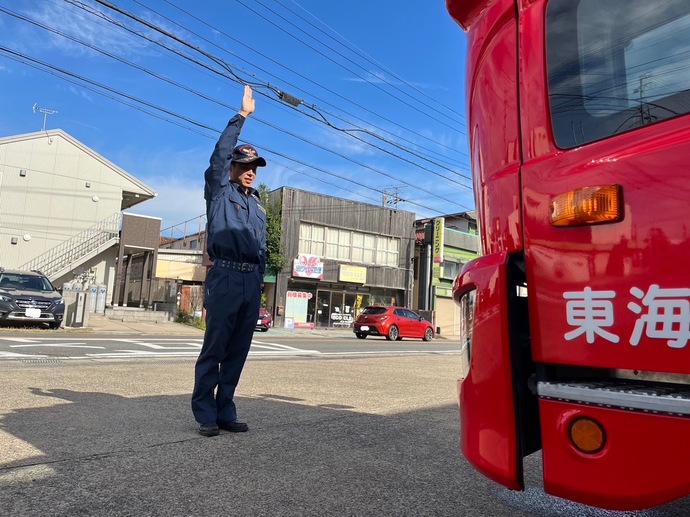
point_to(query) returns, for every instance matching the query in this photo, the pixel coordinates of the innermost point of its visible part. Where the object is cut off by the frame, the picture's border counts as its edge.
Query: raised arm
(218, 173)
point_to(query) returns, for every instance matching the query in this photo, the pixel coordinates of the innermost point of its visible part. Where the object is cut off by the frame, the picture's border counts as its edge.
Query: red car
(393, 322)
(265, 320)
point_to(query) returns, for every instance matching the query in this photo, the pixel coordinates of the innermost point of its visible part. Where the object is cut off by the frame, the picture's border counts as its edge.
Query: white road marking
(20, 339)
(56, 345)
(278, 346)
(14, 355)
(140, 353)
(160, 347)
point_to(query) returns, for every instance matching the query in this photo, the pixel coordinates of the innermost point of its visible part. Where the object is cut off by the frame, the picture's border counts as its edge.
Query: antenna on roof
(45, 112)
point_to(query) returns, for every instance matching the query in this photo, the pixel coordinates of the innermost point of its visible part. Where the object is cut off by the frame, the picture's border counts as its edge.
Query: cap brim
(260, 162)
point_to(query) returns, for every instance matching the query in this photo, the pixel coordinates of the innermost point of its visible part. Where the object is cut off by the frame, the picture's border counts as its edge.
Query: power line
(133, 101)
(351, 61)
(342, 66)
(359, 51)
(239, 79)
(319, 110)
(349, 100)
(171, 113)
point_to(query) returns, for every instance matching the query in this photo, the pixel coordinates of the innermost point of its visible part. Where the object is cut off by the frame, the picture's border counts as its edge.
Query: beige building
(61, 208)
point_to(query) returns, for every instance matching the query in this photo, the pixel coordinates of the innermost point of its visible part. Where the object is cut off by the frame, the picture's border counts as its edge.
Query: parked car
(265, 320)
(393, 322)
(28, 296)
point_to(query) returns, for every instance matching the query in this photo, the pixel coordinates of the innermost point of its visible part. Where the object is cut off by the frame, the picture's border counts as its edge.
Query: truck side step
(635, 396)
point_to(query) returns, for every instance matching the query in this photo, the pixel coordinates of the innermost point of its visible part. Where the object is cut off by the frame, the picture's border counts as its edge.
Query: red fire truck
(576, 318)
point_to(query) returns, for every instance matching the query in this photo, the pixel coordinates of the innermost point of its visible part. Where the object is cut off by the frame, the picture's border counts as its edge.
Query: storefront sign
(353, 274)
(439, 223)
(308, 266)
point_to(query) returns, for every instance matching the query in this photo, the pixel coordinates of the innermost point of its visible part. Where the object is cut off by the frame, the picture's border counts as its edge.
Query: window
(331, 243)
(411, 315)
(381, 251)
(348, 245)
(344, 245)
(311, 239)
(357, 247)
(450, 269)
(317, 240)
(615, 65)
(369, 247)
(393, 251)
(375, 310)
(25, 282)
(387, 251)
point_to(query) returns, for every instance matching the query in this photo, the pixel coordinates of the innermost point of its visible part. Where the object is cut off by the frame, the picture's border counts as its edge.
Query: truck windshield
(605, 75)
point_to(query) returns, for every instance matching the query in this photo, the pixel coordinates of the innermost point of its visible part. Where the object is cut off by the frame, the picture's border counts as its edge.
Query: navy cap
(246, 153)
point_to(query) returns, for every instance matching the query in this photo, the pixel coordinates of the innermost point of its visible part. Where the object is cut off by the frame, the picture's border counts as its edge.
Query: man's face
(243, 173)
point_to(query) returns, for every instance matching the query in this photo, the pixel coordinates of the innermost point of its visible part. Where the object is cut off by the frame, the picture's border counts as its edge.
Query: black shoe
(209, 429)
(234, 427)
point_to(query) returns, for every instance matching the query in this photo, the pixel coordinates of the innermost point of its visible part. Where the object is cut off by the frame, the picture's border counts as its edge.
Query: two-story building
(342, 256)
(61, 212)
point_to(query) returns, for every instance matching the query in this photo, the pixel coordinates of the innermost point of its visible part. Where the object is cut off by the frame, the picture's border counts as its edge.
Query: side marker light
(588, 205)
(587, 435)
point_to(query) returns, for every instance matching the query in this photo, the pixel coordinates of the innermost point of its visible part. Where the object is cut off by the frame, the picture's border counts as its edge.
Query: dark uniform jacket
(236, 228)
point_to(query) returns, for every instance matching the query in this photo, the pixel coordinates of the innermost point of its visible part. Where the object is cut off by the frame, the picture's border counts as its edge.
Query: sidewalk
(100, 324)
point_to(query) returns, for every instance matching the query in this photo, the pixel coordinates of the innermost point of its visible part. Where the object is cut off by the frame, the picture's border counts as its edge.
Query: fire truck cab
(576, 318)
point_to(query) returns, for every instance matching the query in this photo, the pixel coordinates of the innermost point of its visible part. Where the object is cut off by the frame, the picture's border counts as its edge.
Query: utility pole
(45, 112)
(645, 114)
(390, 197)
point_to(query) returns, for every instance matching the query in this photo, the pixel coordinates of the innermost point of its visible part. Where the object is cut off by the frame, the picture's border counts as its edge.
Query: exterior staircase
(73, 252)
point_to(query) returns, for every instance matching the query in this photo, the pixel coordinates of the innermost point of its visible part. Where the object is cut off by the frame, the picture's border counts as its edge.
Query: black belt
(245, 267)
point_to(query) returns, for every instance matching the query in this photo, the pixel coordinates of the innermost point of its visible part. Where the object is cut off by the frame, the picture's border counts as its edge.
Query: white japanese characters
(662, 314)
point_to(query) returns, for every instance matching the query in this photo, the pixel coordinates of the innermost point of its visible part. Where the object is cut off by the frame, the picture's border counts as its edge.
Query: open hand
(248, 102)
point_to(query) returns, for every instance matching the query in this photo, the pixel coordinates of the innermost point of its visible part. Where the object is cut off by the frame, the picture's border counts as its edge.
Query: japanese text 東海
(662, 314)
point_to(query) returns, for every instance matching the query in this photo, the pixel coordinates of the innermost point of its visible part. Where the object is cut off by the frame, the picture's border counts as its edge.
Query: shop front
(314, 303)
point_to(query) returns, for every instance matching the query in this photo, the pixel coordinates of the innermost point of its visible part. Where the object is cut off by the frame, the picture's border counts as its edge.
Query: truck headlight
(466, 304)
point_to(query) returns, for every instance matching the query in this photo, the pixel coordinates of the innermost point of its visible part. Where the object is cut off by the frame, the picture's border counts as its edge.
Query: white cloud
(80, 92)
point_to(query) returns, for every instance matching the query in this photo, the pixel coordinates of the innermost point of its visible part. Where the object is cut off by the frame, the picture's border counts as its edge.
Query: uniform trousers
(232, 300)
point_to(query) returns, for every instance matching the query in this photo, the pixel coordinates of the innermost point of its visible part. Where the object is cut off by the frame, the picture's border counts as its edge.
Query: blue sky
(381, 84)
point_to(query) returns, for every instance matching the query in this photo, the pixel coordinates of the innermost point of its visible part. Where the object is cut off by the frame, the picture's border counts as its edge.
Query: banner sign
(308, 266)
(439, 224)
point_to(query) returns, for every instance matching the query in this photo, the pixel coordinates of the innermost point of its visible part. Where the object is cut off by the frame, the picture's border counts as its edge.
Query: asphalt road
(329, 435)
(37, 345)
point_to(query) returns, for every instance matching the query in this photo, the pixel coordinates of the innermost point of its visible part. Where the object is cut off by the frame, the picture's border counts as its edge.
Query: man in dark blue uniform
(236, 243)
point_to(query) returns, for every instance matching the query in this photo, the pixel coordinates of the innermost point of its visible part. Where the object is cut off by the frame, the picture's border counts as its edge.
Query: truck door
(605, 106)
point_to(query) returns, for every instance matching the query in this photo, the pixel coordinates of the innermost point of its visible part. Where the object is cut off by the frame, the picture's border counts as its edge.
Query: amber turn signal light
(588, 205)
(587, 435)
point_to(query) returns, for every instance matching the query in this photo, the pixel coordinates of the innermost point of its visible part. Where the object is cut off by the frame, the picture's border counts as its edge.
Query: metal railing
(76, 247)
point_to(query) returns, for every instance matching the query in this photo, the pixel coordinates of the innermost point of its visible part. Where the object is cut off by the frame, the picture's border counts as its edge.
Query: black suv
(28, 296)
